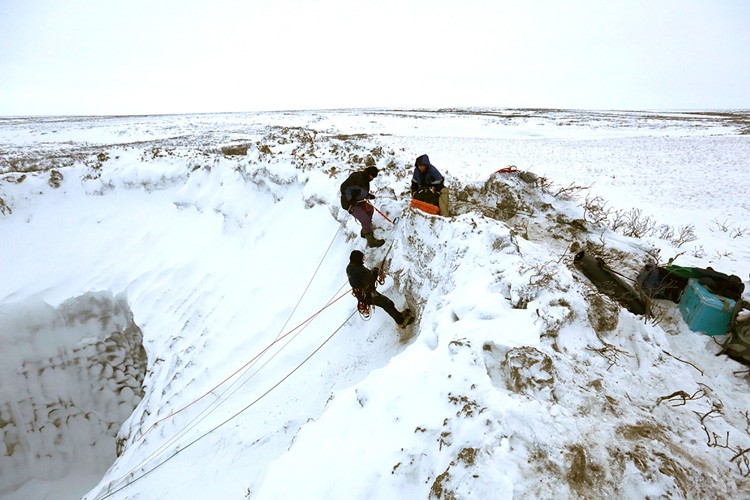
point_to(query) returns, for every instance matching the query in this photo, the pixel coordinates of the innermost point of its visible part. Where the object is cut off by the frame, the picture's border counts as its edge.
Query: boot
(408, 318)
(372, 241)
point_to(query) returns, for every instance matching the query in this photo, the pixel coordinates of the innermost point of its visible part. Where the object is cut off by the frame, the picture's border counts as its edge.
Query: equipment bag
(668, 282)
(658, 283)
(726, 285)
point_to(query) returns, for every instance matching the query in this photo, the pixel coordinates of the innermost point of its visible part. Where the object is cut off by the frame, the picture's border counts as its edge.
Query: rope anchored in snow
(181, 449)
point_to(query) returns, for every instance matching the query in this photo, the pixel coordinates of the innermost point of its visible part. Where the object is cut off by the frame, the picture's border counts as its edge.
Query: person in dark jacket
(355, 191)
(428, 184)
(362, 281)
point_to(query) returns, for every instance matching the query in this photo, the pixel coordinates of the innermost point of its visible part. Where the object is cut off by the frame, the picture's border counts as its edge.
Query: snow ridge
(520, 381)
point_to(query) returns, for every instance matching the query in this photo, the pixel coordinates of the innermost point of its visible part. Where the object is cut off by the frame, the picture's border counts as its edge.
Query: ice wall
(69, 377)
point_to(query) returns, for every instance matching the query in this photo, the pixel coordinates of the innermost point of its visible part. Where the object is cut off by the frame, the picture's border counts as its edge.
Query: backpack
(726, 285)
(737, 345)
(658, 283)
(668, 282)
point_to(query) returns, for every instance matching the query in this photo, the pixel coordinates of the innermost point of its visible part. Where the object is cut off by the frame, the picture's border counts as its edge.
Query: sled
(424, 207)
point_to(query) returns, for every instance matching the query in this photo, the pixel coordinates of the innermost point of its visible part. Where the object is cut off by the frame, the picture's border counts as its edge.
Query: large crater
(69, 378)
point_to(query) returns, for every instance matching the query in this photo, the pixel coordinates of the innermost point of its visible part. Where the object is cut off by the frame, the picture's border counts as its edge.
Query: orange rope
(241, 368)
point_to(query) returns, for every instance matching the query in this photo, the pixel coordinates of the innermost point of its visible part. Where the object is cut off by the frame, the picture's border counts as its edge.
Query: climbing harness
(363, 308)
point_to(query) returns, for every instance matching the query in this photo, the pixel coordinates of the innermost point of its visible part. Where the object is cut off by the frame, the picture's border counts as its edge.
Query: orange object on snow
(425, 207)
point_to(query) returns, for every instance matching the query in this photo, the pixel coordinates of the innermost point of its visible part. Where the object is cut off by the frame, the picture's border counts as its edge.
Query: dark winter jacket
(431, 178)
(362, 280)
(354, 189)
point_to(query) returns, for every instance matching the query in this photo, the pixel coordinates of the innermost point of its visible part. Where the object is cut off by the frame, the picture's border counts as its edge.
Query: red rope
(378, 211)
(507, 170)
(240, 368)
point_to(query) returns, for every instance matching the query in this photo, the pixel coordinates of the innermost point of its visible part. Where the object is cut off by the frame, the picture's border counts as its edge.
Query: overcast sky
(179, 56)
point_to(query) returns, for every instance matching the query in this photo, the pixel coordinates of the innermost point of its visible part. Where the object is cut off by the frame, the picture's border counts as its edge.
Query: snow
(518, 379)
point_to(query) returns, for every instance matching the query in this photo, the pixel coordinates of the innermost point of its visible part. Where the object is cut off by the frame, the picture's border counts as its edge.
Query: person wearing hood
(355, 191)
(427, 184)
(363, 283)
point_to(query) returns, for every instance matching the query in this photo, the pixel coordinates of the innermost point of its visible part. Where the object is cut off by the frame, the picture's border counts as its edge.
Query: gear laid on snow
(424, 206)
(668, 282)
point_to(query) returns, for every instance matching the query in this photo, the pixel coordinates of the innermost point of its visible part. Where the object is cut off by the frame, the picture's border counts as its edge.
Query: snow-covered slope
(221, 237)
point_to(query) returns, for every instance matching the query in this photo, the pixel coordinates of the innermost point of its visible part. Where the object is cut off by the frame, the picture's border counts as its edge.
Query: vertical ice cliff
(69, 377)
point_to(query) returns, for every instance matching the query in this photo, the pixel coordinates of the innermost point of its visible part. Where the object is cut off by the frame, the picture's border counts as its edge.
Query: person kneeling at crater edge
(362, 281)
(355, 191)
(427, 184)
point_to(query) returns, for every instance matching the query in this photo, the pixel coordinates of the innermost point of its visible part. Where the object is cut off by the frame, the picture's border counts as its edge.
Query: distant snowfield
(261, 379)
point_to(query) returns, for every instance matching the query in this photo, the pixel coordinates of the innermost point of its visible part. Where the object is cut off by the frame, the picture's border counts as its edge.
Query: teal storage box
(705, 311)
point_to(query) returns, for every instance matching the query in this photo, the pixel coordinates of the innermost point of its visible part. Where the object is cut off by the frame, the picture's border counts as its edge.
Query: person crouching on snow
(355, 191)
(427, 184)
(362, 281)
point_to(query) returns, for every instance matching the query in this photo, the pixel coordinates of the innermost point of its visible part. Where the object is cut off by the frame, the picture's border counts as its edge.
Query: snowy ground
(219, 239)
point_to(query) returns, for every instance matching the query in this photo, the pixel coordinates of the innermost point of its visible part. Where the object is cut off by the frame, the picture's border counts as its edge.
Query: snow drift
(223, 236)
